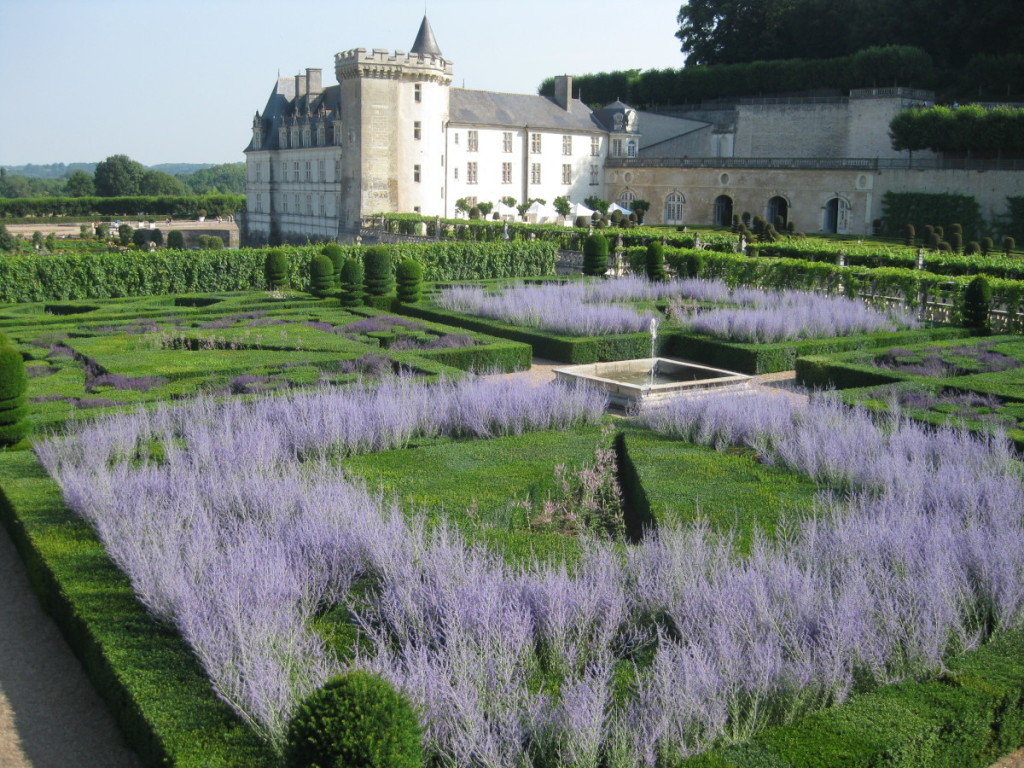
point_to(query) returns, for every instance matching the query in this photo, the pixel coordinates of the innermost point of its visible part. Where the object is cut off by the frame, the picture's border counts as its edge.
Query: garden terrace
(425, 527)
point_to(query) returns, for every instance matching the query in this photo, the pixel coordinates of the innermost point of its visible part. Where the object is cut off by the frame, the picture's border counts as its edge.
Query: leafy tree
(485, 208)
(228, 178)
(640, 208)
(159, 183)
(562, 205)
(125, 234)
(175, 239)
(509, 201)
(595, 203)
(79, 184)
(210, 243)
(156, 236)
(118, 176)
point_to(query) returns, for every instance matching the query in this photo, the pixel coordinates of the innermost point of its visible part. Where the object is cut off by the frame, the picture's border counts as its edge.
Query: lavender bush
(246, 528)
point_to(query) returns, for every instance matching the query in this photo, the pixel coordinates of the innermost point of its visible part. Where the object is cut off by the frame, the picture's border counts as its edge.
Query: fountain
(647, 380)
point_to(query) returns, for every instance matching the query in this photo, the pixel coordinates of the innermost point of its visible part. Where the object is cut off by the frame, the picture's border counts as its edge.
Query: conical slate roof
(425, 44)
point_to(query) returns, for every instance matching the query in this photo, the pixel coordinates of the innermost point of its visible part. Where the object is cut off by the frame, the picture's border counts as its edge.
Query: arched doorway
(837, 217)
(674, 209)
(723, 211)
(778, 212)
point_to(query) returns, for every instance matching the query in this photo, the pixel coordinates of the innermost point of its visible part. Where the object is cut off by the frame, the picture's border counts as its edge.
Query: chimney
(314, 81)
(563, 91)
(300, 86)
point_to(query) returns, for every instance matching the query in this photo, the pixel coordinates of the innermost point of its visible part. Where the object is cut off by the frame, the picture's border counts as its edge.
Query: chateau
(394, 136)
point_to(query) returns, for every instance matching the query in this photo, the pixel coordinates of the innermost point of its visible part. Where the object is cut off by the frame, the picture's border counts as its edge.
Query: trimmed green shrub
(977, 304)
(909, 234)
(1009, 244)
(275, 269)
(410, 281)
(595, 255)
(986, 246)
(175, 239)
(13, 385)
(336, 254)
(654, 263)
(321, 275)
(972, 248)
(357, 720)
(351, 283)
(125, 234)
(378, 274)
(210, 243)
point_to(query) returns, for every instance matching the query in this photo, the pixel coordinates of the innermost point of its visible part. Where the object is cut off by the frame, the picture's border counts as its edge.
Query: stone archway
(836, 217)
(723, 211)
(778, 212)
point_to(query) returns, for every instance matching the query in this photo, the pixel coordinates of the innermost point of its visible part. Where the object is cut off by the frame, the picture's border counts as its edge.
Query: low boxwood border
(565, 349)
(782, 356)
(967, 718)
(146, 674)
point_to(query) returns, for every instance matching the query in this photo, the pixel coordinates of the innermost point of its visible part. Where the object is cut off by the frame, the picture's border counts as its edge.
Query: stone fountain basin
(629, 381)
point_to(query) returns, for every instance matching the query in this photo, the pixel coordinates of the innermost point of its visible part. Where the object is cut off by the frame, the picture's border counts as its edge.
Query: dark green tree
(158, 183)
(595, 255)
(640, 208)
(7, 241)
(79, 184)
(357, 720)
(337, 256)
(654, 262)
(118, 176)
(125, 234)
(176, 240)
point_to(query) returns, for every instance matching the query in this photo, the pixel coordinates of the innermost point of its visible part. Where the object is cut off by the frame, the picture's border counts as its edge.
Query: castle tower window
(472, 141)
(567, 145)
(471, 173)
(595, 146)
(416, 173)
(567, 174)
(417, 130)
(506, 173)
(506, 141)
(535, 143)
(535, 173)
(418, 92)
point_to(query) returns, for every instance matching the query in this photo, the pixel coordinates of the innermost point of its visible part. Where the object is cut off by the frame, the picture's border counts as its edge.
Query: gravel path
(50, 716)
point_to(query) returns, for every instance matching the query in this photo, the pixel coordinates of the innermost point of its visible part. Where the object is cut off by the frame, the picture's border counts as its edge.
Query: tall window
(506, 141)
(259, 171)
(259, 203)
(631, 148)
(320, 135)
(417, 130)
(285, 201)
(472, 141)
(305, 137)
(295, 171)
(535, 173)
(674, 209)
(567, 145)
(594, 175)
(337, 170)
(535, 143)
(506, 173)
(416, 174)
(323, 207)
(294, 138)
(626, 199)
(617, 147)
(471, 173)
(567, 174)
(309, 170)
(595, 146)
(337, 133)
(418, 92)
(309, 205)
(320, 168)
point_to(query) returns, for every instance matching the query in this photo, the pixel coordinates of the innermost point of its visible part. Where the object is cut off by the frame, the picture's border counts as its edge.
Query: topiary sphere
(321, 275)
(357, 720)
(410, 281)
(13, 378)
(275, 268)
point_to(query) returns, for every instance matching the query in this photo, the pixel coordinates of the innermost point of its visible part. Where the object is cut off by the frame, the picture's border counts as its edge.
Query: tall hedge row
(34, 277)
(921, 208)
(180, 207)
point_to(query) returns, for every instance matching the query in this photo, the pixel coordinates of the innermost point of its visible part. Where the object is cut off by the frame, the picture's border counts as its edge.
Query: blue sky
(179, 81)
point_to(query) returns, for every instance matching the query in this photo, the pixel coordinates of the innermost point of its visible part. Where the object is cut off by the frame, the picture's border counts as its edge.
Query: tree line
(970, 129)
(120, 176)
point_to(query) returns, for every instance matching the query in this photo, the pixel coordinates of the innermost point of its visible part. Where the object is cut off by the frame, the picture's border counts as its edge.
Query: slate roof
(513, 110)
(426, 44)
(282, 106)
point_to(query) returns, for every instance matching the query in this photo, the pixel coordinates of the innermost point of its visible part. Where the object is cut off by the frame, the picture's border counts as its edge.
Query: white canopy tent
(506, 212)
(579, 209)
(539, 213)
(616, 207)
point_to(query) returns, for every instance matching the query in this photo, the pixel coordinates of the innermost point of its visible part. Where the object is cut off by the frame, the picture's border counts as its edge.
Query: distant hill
(60, 170)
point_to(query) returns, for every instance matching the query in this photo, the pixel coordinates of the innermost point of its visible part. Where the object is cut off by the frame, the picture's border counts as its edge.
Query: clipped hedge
(25, 278)
(753, 358)
(152, 684)
(182, 206)
(966, 719)
(565, 349)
